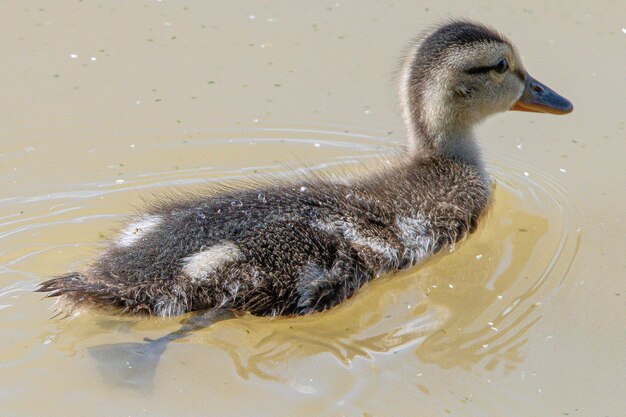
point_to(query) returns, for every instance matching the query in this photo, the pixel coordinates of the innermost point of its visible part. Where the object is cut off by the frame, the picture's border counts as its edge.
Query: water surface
(521, 319)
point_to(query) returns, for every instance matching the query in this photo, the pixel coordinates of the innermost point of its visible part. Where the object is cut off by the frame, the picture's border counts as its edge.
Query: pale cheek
(515, 88)
(503, 96)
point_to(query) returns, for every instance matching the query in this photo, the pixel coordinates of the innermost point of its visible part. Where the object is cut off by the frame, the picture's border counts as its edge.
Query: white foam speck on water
(73, 56)
(562, 170)
(301, 388)
(93, 58)
(526, 174)
(317, 145)
(624, 31)
(120, 181)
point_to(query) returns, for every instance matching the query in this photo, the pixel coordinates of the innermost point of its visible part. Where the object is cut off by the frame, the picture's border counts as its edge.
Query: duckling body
(306, 245)
(286, 249)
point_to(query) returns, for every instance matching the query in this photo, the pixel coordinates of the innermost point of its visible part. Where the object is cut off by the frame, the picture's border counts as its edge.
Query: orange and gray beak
(542, 99)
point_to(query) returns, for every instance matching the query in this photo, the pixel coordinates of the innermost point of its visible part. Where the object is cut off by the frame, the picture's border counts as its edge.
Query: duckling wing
(279, 250)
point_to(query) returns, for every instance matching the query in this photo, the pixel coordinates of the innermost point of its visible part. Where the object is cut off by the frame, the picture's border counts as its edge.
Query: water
(521, 319)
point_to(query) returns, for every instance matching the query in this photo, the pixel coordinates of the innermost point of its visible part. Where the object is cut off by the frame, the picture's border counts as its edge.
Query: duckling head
(458, 75)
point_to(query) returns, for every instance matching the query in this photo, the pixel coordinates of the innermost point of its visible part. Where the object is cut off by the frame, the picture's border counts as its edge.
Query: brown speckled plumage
(296, 258)
(306, 245)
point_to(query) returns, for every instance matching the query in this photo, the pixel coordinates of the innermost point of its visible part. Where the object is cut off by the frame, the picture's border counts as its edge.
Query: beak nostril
(536, 88)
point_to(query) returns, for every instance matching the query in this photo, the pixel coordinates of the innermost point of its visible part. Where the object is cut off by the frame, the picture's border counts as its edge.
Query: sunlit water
(470, 309)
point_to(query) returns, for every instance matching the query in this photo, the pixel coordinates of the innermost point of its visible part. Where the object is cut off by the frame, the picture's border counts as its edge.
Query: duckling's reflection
(133, 365)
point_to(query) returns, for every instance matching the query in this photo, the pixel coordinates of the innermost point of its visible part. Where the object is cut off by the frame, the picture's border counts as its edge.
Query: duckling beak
(540, 98)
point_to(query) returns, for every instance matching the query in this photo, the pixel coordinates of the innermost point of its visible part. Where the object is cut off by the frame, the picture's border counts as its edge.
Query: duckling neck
(458, 144)
(461, 146)
(435, 130)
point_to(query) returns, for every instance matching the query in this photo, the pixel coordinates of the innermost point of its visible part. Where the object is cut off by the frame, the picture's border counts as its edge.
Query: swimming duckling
(304, 246)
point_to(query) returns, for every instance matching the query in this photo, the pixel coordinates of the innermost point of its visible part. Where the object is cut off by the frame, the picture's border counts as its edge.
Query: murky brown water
(106, 104)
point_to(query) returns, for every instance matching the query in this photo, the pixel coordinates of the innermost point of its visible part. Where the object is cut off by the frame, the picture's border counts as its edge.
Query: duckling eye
(501, 67)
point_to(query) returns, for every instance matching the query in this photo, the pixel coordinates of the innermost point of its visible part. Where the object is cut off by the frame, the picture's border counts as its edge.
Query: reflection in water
(491, 314)
(344, 334)
(134, 365)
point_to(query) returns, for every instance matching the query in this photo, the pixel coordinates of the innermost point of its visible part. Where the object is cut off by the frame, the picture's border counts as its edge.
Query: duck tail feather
(63, 284)
(76, 290)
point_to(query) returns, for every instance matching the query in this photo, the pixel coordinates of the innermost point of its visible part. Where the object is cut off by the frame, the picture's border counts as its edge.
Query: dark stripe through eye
(479, 70)
(500, 68)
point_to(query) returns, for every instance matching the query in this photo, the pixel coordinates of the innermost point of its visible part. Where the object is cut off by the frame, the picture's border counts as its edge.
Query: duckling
(305, 245)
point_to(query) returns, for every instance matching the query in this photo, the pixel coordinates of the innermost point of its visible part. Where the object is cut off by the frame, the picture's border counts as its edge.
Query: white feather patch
(135, 231)
(416, 235)
(202, 264)
(352, 234)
